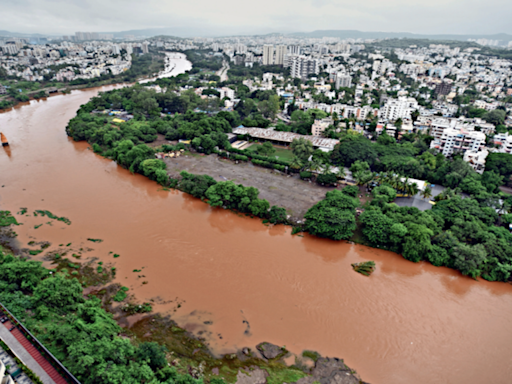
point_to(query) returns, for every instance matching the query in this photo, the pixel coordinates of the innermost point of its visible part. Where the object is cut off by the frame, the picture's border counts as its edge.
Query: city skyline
(227, 17)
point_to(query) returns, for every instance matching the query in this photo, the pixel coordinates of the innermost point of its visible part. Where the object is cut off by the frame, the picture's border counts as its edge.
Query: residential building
(343, 80)
(400, 108)
(476, 159)
(458, 141)
(302, 66)
(319, 126)
(279, 53)
(268, 55)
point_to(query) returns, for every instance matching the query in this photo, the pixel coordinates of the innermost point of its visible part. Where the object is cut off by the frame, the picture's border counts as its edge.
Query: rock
(333, 371)
(246, 351)
(257, 376)
(270, 351)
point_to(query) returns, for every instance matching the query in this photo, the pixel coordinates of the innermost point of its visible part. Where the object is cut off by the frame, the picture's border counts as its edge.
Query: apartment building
(504, 142)
(302, 66)
(343, 80)
(319, 126)
(400, 108)
(273, 56)
(458, 141)
(476, 159)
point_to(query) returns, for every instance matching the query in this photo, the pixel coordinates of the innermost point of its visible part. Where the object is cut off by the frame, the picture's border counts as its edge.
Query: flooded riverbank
(407, 323)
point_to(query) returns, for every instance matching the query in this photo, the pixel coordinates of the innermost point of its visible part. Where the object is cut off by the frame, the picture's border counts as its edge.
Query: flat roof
(287, 137)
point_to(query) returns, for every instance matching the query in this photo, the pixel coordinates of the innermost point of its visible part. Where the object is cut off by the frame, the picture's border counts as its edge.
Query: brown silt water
(407, 323)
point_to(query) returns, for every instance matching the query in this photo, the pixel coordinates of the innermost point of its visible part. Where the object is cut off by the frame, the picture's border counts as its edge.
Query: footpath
(28, 355)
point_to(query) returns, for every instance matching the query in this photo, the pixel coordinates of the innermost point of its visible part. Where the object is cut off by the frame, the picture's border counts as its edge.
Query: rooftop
(287, 137)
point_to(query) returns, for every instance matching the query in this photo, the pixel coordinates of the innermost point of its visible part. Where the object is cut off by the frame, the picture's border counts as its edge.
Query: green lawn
(281, 153)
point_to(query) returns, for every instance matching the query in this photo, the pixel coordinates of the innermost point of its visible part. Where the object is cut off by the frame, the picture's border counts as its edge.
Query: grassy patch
(312, 355)
(281, 153)
(121, 294)
(286, 375)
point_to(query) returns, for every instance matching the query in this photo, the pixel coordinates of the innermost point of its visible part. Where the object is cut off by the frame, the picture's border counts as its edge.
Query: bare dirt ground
(295, 195)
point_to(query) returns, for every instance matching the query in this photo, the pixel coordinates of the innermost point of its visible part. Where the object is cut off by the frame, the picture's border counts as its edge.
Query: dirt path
(296, 195)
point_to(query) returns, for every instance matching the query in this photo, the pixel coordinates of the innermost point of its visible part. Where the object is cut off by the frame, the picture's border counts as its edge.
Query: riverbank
(187, 353)
(225, 269)
(141, 68)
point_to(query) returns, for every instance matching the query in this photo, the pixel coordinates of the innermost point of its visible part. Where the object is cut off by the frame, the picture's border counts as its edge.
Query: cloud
(235, 16)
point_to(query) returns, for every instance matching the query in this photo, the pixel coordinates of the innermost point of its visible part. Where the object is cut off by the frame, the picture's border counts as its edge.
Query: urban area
(401, 145)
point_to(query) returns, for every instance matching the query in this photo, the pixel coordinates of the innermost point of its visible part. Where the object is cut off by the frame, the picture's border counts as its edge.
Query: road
(223, 72)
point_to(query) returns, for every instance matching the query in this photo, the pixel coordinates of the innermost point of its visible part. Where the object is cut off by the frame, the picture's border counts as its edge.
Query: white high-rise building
(343, 80)
(268, 55)
(400, 108)
(303, 66)
(280, 51)
(459, 140)
(294, 49)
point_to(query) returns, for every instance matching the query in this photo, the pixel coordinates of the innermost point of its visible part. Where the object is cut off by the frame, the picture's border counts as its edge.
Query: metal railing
(68, 376)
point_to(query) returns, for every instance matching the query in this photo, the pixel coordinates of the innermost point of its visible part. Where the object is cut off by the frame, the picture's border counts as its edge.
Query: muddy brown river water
(407, 323)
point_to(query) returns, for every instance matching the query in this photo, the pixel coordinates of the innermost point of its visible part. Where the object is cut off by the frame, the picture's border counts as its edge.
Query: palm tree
(363, 177)
(302, 148)
(296, 163)
(315, 165)
(427, 192)
(341, 173)
(412, 189)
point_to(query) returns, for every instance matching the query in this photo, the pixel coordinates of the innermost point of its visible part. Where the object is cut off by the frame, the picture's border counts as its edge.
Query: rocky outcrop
(330, 371)
(256, 376)
(270, 351)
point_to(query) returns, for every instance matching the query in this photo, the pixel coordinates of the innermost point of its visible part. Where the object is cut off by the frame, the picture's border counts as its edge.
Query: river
(407, 323)
(175, 64)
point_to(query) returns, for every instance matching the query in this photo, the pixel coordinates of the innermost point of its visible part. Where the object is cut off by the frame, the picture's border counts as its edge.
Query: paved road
(223, 72)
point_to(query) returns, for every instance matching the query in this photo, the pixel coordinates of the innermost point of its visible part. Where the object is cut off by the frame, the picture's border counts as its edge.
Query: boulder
(256, 376)
(270, 351)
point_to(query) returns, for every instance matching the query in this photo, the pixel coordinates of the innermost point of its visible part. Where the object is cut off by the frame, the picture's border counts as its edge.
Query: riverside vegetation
(466, 232)
(82, 333)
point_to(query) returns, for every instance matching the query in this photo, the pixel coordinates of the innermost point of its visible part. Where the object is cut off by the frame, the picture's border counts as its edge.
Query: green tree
(469, 259)
(302, 148)
(266, 149)
(333, 217)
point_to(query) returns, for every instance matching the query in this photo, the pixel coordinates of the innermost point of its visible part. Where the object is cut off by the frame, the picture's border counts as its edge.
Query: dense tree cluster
(333, 217)
(82, 335)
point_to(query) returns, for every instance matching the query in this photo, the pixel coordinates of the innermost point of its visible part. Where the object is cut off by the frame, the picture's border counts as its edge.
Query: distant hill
(353, 34)
(21, 35)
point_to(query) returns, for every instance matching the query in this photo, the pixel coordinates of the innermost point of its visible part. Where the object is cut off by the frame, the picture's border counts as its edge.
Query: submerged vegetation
(83, 334)
(365, 268)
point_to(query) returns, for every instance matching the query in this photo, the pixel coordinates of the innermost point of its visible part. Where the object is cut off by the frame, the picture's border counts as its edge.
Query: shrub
(328, 179)
(305, 175)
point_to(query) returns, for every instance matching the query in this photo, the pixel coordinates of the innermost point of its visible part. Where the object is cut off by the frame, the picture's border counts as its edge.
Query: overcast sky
(257, 16)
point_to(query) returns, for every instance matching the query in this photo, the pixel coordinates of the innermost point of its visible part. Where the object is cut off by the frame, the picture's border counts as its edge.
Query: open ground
(290, 192)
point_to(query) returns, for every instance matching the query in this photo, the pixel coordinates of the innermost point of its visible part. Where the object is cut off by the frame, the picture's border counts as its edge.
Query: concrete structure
(226, 92)
(504, 141)
(343, 80)
(279, 53)
(285, 138)
(319, 126)
(268, 55)
(21, 353)
(302, 66)
(476, 159)
(458, 141)
(400, 108)
(4, 379)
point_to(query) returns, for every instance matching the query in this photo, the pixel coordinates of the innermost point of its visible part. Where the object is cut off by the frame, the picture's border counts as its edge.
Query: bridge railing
(68, 376)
